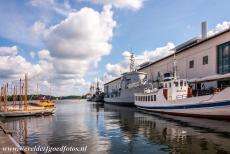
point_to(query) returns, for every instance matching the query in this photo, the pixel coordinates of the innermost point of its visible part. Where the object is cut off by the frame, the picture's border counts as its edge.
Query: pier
(13, 104)
(6, 140)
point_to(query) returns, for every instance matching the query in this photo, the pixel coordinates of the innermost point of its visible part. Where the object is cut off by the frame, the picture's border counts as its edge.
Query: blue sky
(47, 41)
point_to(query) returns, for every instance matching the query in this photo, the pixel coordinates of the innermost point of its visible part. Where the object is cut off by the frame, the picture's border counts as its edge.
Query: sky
(70, 44)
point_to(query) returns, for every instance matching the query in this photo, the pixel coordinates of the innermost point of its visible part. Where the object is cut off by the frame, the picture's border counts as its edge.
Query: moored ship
(175, 96)
(122, 92)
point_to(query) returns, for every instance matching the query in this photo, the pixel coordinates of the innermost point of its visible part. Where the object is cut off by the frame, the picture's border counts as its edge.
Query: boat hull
(213, 110)
(27, 113)
(126, 97)
(118, 102)
(215, 106)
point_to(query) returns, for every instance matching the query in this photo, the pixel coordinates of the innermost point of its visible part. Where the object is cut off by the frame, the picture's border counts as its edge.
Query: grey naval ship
(122, 92)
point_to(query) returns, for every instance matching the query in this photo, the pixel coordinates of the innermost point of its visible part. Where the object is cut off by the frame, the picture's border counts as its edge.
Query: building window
(191, 64)
(223, 58)
(205, 60)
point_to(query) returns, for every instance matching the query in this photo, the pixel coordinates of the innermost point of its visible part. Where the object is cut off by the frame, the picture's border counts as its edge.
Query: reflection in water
(114, 129)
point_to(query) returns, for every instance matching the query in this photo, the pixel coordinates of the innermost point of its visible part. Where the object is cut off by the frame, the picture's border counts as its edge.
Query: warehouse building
(204, 61)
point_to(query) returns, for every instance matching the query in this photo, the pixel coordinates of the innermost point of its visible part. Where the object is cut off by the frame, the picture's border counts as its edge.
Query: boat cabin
(175, 89)
(132, 79)
(170, 90)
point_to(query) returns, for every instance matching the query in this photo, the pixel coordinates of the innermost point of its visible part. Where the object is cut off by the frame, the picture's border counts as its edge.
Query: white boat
(129, 83)
(175, 97)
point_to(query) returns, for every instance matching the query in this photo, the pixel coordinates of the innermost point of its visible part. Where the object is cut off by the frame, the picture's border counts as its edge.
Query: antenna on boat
(132, 59)
(174, 66)
(132, 62)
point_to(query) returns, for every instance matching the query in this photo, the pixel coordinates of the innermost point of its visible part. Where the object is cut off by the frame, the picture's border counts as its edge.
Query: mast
(97, 89)
(20, 94)
(5, 97)
(16, 95)
(132, 63)
(26, 93)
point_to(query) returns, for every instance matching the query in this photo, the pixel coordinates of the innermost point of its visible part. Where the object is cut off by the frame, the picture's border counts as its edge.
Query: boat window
(165, 85)
(152, 98)
(155, 98)
(185, 84)
(170, 85)
(140, 98)
(148, 98)
(181, 83)
(176, 84)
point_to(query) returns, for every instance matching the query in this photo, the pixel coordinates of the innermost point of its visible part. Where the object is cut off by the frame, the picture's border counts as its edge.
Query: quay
(6, 140)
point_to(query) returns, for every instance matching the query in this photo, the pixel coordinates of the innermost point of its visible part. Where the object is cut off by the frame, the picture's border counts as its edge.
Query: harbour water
(115, 130)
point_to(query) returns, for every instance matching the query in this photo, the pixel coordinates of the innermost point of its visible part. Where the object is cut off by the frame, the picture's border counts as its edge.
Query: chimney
(204, 29)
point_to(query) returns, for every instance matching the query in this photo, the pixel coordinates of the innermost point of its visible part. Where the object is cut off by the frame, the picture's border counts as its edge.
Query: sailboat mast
(26, 93)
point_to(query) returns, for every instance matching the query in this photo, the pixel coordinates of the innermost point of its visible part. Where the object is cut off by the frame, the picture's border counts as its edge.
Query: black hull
(128, 104)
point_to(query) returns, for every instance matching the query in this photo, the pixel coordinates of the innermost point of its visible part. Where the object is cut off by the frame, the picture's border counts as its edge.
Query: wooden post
(5, 98)
(20, 93)
(23, 86)
(26, 93)
(16, 94)
(14, 98)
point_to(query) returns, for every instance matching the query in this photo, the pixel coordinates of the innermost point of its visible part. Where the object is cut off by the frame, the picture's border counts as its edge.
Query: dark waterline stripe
(216, 104)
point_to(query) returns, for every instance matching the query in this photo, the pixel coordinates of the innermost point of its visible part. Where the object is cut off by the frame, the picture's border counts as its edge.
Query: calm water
(116, 130)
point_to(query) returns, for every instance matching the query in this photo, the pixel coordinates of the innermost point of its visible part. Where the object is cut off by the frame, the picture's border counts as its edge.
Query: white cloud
(114, 70)
(37, 30)
(158, 53)
(129, 4)
(60, 8)
(74, 47)
(219, 28)
(32, 54)
(8, 50)
(44, 55)
(78, 42)
(15, 66)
